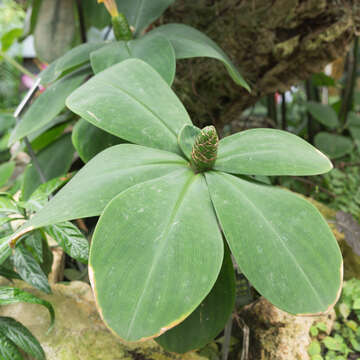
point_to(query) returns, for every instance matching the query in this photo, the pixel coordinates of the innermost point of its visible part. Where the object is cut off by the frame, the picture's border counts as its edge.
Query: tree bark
(275, 44)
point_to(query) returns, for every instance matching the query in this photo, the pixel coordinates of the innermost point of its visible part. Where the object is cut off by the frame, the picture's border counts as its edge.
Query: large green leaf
(30, 270)
(89, 140)
(165, 231)
(280, 242)
(209, 318)
(21, 337)
(269, 152)
(48, 105)
(132, 101)
(8, 350)
(55, 160)
(102, 178)
(333, 145)
(156, 50)
(70, 238)
(141, 13)
(11, 295)
(324, 114)
(189, 42)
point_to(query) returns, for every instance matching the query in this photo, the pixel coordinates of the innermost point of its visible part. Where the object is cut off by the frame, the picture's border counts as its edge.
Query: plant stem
(14, 63)
(347, 100)
(34, 160)
(309, 96)
(271, 107)
(81, 21)
(283, 112)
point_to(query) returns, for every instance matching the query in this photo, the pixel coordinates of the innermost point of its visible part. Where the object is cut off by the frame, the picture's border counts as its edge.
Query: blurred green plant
(344, 340)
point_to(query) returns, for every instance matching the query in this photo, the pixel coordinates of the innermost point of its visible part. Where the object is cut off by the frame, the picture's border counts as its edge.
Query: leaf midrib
(270, 226)
(162, 244)
(145, 107)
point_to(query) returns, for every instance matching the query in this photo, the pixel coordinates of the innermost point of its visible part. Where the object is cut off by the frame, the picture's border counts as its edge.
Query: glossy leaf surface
(269, 152)
(333, 145)
(102, 178)
(90, 140)
(209, 318)
(280, 242)
(141, 13)
(189, 42)
(132, 101)
(156, 50)
(30, 270)
(55, 160)
(70, 238)
(165, 231)
(21, 337)
(11, 295)
(47, 105)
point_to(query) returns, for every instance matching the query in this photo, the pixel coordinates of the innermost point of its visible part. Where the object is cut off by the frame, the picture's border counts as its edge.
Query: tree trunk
(275, 44)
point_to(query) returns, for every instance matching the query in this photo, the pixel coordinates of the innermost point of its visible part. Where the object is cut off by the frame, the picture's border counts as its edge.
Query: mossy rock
(79, 333)
(351, 260)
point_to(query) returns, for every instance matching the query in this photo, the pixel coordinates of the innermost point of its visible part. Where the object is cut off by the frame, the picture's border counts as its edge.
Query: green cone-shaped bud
(204, 150)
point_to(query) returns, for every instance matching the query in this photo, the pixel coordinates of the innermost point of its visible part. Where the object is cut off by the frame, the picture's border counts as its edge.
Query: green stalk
(348, 98)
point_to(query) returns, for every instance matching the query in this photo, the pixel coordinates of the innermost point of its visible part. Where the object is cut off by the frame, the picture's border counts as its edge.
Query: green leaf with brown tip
(209, 318)
(280, 242)
(165, 231)
(269, 152)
